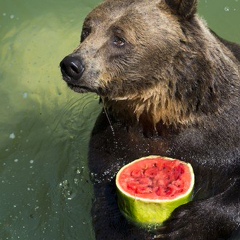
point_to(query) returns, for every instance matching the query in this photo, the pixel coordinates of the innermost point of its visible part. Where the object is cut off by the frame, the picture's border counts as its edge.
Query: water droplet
(25, 95)
(226, 9)
(12, 136)
(71, 196)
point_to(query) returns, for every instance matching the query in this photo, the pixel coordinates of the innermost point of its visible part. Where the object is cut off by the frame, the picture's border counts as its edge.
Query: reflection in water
(45, 127)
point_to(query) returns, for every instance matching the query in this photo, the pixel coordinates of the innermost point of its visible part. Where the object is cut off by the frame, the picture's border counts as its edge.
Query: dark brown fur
(170, 87)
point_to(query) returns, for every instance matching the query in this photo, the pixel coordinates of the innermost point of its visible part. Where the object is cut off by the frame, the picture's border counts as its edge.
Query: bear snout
(72, 68)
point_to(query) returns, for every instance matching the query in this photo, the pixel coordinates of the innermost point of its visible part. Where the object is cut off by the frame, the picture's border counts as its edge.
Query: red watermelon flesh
(156, 178)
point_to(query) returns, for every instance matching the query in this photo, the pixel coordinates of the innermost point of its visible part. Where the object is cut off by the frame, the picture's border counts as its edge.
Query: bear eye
(85, 33)
(118, 41)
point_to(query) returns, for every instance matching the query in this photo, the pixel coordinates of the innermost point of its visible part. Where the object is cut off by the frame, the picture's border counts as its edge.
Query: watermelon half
(150, 188)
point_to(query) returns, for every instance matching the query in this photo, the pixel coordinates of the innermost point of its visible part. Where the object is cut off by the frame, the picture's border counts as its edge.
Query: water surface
(45, 127)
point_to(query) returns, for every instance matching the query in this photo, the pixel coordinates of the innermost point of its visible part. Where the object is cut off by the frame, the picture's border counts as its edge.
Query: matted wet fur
(170, 87)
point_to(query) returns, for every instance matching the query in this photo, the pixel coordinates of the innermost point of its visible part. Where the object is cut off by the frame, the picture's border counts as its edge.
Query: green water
(45, 192)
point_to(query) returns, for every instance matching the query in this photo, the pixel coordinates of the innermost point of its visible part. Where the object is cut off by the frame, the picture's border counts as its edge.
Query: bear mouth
(80, 88)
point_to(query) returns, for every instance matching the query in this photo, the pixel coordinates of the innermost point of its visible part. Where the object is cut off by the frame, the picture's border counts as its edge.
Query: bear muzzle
(72, 69)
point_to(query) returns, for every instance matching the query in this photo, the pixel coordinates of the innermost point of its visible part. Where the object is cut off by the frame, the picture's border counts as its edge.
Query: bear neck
(151, 113)
(163, 115)
(179, 107)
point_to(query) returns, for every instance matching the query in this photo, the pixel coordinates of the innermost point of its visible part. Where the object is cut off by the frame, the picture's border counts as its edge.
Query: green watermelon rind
(151, 211)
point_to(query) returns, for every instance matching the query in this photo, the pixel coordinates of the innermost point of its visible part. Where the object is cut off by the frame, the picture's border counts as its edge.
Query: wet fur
(173, 90)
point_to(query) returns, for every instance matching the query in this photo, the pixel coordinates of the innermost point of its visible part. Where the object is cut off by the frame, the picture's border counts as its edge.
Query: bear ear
(184, 8)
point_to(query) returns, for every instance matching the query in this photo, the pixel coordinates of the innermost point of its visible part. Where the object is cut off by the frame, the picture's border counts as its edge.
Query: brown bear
(169, 86)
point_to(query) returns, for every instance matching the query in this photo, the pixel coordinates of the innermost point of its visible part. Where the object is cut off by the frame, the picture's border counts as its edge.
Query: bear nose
(72, 67)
